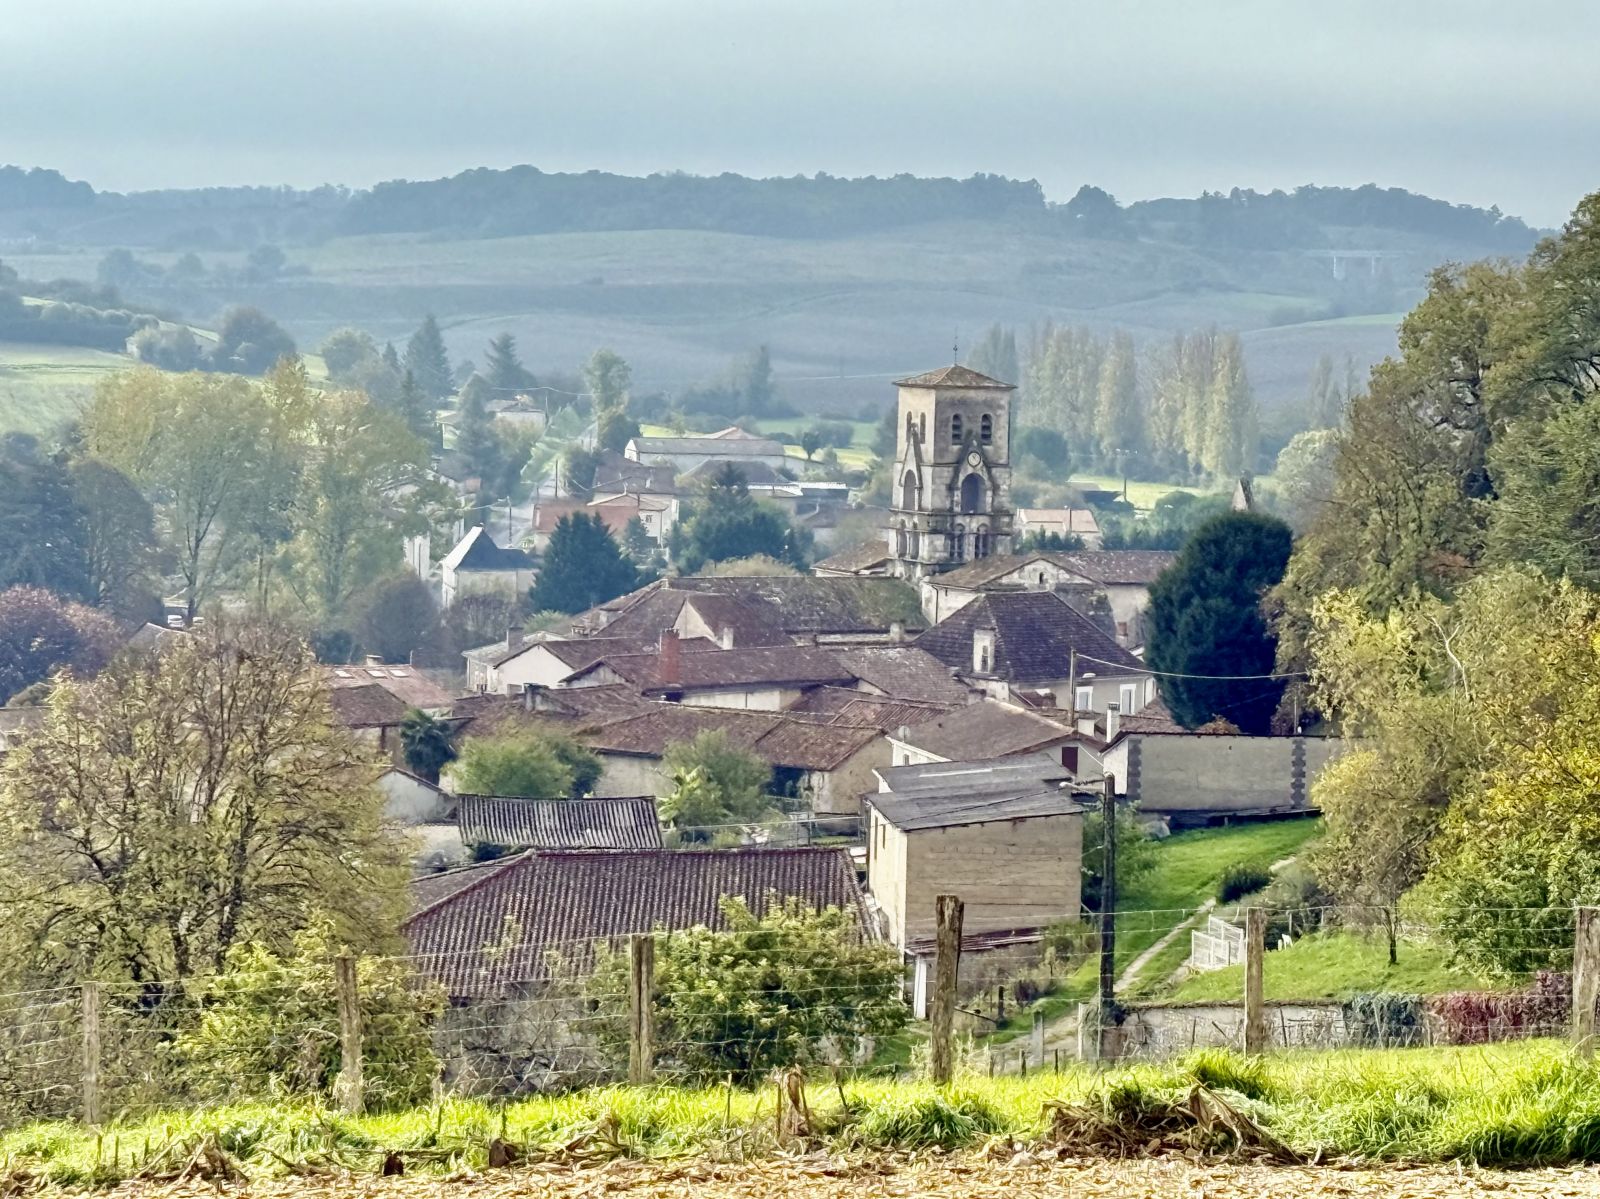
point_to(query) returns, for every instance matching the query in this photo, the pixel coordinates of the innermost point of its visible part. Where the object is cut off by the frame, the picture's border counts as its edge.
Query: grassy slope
(1336, 966)
(1506, 1104)
(43, 385)
(1185, 874)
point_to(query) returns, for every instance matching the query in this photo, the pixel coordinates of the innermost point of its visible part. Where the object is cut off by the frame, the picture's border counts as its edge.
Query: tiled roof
(1105, 567)
(904, 672)
(1073, 520)
(929, 812)
(619, 473)
(429, 889)
(798, 605)
(963, 377)
(750, 621)
(759, 666)
(866, 556)
(561, 904)
(1035, 634)
(406, 683)
(366, 706)
(845, 705)
(984, 730)
(477, 551)
(756, 474)
(781, 740)
(549, 513)
(613, 823)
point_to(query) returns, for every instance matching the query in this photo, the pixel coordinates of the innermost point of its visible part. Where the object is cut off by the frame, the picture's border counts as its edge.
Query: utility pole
(1072, 686)
(1108, 914)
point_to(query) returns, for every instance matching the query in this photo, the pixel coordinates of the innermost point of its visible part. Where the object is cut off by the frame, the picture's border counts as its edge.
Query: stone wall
(1203, 774)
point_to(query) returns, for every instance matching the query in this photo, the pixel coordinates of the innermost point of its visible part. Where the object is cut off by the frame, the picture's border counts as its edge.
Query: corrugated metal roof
(502, 928)
(923, 812)
(628, 822)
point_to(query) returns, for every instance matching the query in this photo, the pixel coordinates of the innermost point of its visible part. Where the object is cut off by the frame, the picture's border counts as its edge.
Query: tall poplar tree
(1119, 419)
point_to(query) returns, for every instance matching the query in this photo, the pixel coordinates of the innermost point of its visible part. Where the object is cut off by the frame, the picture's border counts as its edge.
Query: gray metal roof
(974, 778)
(920, 812)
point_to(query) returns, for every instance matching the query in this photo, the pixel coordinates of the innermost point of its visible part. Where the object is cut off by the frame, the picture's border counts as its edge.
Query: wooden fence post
(1038, 1038)
(351, 1088)
(1255, 1009)
(91, 1052)
(641, 1009)
(1585, 979)
(942, 1003)
(1105, 1014)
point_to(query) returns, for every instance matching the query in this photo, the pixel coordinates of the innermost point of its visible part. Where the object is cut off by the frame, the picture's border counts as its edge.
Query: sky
(1473, 101)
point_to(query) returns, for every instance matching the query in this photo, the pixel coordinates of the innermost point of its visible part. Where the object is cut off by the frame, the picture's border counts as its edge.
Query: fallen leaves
(1029, 1174)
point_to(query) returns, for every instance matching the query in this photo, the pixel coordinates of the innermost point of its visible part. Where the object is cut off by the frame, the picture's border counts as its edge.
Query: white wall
(409, 800)
(1199, 773)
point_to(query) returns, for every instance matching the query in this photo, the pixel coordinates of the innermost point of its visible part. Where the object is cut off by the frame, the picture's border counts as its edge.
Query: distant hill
(848, 281)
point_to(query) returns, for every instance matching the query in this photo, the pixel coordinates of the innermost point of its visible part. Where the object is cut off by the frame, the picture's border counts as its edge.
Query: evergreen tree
(503, 370)
(427, 361)
(416, 410)
(1119, 420)
(1231, 418)
(391, 358)
(730, 523)
(1205, 619)
(476, 439)
(755, 383)
(583, 566)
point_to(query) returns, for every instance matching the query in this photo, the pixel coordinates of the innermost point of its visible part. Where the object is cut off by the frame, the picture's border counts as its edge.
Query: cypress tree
(583, 566)
(503, 370)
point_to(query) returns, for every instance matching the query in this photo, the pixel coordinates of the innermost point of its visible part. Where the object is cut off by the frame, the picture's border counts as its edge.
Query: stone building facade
(951, 494)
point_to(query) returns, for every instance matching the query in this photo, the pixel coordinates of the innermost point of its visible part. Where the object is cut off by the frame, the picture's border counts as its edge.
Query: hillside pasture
(42, 386)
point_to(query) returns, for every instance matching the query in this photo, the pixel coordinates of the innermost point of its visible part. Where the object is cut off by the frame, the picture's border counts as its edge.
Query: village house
(985, 730)
(1123, 577)
(685, 452)
(477, 566)
(427, 814)
(1059, 522)
(1007, 837)
(769, 609)
(401, 680)
(1007, 641)
(658, 515)
(616, 474)
(825, 768)
(762, 678)
(510, 666)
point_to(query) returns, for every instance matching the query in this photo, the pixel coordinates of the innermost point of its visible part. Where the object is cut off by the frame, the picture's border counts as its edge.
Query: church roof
(955, 377)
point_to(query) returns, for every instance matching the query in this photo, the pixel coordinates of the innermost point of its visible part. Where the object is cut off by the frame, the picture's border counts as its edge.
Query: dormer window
(986, 429)
(955, 429)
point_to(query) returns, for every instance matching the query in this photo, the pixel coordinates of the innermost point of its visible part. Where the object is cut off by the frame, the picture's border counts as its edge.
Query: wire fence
(501, 1021)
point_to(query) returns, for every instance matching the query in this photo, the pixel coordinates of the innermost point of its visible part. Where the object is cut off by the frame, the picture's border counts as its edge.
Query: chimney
(535, 697)
(1086, 725)
(897, 631)
(374, 659)
(514, 636)
(669, 660)
(725, 636)
(1113, 720)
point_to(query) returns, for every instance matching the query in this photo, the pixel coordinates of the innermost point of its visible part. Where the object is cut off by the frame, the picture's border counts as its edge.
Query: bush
(792, 987)
(273, 1018)
(1224, 1071)
(1479, 1017)
(1241, 879)
(1384, 1019)
(952, 1120)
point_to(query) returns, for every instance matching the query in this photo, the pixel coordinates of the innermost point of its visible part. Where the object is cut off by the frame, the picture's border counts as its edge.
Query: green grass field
(1337, 966)
(1185, 873)
(1516, 1104)
(42, 386)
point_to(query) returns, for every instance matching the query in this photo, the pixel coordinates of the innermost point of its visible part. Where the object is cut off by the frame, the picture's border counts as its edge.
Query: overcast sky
(1478, 101)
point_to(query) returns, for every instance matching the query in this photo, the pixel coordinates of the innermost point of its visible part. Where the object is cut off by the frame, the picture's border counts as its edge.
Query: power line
(1220, 678)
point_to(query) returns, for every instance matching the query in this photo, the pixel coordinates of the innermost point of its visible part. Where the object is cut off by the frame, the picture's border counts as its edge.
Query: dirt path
(934, 1176)
(1127, 977)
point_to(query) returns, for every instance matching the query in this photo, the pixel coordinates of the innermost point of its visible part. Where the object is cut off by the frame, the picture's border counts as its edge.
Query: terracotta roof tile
(610, 823)
(904, 672)
(984, 730)
(962, 377)
(1035, 635)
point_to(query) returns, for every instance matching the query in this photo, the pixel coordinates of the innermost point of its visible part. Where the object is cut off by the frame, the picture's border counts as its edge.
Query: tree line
(1182, 411)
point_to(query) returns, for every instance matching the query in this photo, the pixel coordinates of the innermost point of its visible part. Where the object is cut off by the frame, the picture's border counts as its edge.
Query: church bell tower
(951, 492)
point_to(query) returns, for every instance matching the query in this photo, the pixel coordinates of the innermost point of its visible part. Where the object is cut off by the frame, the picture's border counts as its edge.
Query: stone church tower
(951, 493)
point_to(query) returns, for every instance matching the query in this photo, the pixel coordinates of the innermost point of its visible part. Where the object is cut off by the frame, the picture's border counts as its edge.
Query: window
(1128, 694)
(986, 429)
(911, 491)
(980, 543)
(911, 429)
(922, 427)
(972, 493)
(1084, 702)
(955, 428)
(1069, 757)
(958, 543)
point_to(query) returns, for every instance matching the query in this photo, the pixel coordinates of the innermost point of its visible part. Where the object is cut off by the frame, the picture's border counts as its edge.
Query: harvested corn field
(933, 1176)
